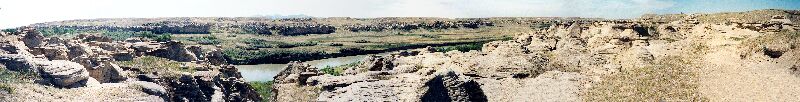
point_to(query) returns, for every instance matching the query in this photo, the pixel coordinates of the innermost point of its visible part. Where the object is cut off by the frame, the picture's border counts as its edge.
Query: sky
(15, 13)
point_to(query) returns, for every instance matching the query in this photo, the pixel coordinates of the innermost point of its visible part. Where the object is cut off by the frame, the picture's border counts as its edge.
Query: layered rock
(550, 64)
(174, 50)
(89, 62)
(60, 73)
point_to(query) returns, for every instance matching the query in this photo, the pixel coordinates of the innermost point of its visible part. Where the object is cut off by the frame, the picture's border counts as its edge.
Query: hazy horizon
(15, 13)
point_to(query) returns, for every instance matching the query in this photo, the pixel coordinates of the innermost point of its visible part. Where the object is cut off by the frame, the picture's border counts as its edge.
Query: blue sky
(16, 13)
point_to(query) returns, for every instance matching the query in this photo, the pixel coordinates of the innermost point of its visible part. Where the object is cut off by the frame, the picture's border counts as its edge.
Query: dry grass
(9, 77)
(156, 65)
(790, 39)
(668, 79)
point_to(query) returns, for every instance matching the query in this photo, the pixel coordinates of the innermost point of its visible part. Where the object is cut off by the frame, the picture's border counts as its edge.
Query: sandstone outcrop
(683, 57)
(60, 73)
(175, 51)
(89, 65)
(556, 64)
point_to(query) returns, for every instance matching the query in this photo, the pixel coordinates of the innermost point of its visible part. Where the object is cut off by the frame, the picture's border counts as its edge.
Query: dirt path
(727, 77)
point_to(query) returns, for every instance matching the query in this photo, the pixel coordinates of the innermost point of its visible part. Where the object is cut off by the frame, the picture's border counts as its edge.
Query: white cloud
(23, 12)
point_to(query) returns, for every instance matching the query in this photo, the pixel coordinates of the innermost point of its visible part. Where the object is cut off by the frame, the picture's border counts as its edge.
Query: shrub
(336, 44)
(152, 64)
(122, 35)
(462, 47)
(205, 40)
(118, 35)
(22, 76)
(425, 35)
(389, 46)
(52, 31)
(758, 44)
(11, 30)
(157, 37)
(338, 70)
(240, 56)
(261, 43)
(7, 88)
(264, 89)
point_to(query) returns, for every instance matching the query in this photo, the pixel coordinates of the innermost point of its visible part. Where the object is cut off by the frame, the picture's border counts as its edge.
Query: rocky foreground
(663, 58)
(96, 68)
(743, 56)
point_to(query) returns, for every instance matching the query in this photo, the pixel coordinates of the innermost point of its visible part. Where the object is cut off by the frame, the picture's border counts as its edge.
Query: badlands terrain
(732, 56)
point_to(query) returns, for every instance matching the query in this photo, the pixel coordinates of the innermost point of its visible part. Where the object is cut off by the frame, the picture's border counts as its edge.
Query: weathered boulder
(6, 48)
(18, 62)
(142, 48)
(151, 88)
(52, 52)
(64, 73)
(197, 51)
(174, 50)
(377, 63)
(454, 88)
(296, 72)
(102, 68)
(210, 86)
(215, 57)
(77, 50)
(33, 39)
(87, 63)
(123, 56)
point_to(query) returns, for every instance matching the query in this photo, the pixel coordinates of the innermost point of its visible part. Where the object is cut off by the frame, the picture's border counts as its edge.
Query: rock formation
(87, 64)
(675, 57)
(569, 61)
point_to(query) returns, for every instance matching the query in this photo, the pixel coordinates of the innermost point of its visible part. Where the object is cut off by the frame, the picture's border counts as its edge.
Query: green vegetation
(241, 56)
(157, 37)
(11, 30)
(425, 35)
(23, 76)
(7, 88)
(116, 35)
(52, 31)
(263, 88)
(122, 35)
(669, 79)
(260, 43)
(387, 46)
(204, 40)
(152, 64)
(252, 50)
(338, 70)
(462, 47)
(9, 77)
(336, 44)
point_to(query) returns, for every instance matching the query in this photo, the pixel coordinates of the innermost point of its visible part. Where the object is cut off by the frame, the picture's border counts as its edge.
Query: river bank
(266, 72)
(285, 56)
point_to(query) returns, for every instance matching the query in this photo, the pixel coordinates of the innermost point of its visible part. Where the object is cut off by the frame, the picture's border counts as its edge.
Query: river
(265, 72)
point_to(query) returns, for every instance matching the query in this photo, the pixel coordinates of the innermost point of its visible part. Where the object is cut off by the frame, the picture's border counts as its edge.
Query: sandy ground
(727, 77)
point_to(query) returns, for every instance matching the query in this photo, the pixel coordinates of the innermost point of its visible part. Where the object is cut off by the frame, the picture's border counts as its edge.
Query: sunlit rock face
(89, 65)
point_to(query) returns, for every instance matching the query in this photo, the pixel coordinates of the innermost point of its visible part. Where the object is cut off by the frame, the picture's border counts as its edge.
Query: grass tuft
(338, 70)
(152, 64)
(668, 79)
(264, 89)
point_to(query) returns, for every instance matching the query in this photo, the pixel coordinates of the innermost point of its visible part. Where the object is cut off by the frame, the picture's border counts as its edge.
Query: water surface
(265, 72)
